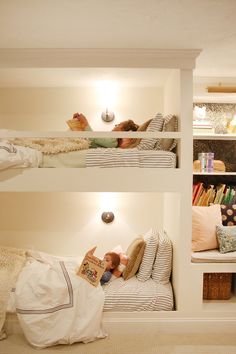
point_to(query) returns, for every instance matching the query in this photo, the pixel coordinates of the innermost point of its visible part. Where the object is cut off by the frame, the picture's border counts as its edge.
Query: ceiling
(170, 24)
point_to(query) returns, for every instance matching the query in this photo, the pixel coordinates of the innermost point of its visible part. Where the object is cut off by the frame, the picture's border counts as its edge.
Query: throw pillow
(204, 221)
(226, 236)
(228, 212)
(170, 124)
(155, 125)
(134, 253)
(145, 269)
(163, 263)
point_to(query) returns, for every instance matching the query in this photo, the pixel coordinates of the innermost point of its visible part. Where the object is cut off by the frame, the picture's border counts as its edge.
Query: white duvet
(18, 156)
(55, 306)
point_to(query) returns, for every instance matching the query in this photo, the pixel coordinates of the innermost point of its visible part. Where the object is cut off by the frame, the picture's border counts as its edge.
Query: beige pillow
(170, 125)
(204, 221)
(142, 128)
(135, 253)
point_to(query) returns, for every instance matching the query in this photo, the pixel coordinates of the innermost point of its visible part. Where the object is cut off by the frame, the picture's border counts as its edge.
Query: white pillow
(145, 269)
(155, 125)
(163, 262)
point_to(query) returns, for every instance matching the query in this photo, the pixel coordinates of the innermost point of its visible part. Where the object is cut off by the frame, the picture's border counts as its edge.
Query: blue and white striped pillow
(155, 125)
(145, 269)
(163, 262)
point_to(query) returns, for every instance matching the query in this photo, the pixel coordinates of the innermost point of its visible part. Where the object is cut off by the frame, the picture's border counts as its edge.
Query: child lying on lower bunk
(94, 269)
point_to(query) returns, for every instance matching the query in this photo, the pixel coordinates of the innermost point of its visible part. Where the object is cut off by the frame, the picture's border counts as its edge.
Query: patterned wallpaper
(218, 113)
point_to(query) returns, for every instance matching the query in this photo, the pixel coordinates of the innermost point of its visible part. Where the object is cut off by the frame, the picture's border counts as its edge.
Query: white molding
(98, 57)
(87, 134)
(154, 324)
(91, 180)
(202, 136)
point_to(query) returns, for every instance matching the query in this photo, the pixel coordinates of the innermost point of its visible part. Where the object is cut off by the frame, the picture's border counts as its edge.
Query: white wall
(70, 223)
(49, 108)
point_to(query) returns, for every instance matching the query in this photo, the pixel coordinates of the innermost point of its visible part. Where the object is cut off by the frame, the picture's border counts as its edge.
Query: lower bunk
(55, 306)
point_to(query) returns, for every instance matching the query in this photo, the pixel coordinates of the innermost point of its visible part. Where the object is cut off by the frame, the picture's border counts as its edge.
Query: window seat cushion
(213, 256)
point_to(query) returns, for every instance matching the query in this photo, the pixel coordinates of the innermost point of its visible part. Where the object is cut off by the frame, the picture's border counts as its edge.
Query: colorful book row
(204, 195)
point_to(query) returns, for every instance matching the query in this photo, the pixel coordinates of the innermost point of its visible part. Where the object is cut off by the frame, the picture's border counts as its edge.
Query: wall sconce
(107, 116)
(107, 217)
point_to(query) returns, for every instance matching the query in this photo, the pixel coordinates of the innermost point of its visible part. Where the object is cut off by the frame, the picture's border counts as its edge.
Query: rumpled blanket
(56, 306)
(12, 261)
(52, 145)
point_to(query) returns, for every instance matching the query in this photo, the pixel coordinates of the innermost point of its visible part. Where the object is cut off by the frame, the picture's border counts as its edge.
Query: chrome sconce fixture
(108, 116)
(107, 217)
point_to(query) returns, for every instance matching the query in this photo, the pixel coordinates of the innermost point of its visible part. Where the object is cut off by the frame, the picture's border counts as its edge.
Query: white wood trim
(155, 324)
(91, 180)
(214, 173)
(206, 136)
(215, 98)
(88, 134)
(97, 57)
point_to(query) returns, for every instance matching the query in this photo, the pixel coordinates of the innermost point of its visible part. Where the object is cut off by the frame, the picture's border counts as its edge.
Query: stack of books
(204, 195)
(203, 126)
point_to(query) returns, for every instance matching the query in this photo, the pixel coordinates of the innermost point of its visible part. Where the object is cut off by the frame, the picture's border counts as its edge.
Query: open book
(92, 269)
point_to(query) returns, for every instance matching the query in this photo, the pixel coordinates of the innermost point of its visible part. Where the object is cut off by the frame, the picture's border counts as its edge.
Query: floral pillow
(226, 236)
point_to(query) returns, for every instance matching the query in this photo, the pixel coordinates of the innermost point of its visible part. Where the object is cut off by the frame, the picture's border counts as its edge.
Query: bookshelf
(221, 182)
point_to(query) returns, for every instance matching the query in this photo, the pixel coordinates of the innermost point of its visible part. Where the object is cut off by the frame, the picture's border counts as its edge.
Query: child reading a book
(112, 260)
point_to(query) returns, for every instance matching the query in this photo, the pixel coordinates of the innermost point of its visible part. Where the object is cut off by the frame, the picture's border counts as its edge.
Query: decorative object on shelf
(218, 166)
(206, 161)
(224, 150)
(108, 116)
(218, 114)
(221, 89)
(200, 123)
(231, 126)
(107, 217)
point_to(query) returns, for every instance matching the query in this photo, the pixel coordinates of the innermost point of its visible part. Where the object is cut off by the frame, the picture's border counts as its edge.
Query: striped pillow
(145, 269)
(163, 262)
(155, 125)
(170, 125)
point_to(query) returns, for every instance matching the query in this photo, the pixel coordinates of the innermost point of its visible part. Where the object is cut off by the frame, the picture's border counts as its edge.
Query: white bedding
(112, 157)
(134, 295)
(18, 156)
(14, 156)
(55, 306)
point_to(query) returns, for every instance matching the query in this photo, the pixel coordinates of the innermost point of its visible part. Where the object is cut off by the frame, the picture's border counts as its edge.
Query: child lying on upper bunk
(80, 123)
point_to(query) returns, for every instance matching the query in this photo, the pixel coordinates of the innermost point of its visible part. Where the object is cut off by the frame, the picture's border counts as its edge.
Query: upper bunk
(41, 89)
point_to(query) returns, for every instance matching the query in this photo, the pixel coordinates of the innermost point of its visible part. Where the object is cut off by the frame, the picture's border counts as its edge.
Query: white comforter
(55, 306)
(18, 156)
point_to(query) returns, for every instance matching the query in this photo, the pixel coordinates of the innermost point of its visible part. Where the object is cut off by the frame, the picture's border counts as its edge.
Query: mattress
(134, 295)
(213, 256)
(129, 295)
(112, 157)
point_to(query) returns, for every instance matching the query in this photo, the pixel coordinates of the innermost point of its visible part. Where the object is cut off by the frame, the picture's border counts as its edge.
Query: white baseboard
(121, 323)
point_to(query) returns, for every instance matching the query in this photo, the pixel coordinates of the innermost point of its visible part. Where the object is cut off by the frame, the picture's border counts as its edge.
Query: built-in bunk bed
(172, 178)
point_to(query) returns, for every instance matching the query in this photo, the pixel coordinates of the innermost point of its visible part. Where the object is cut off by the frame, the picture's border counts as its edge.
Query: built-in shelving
(198, 136)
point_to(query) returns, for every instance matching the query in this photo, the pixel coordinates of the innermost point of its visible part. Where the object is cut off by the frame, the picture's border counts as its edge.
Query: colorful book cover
(92, 269)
